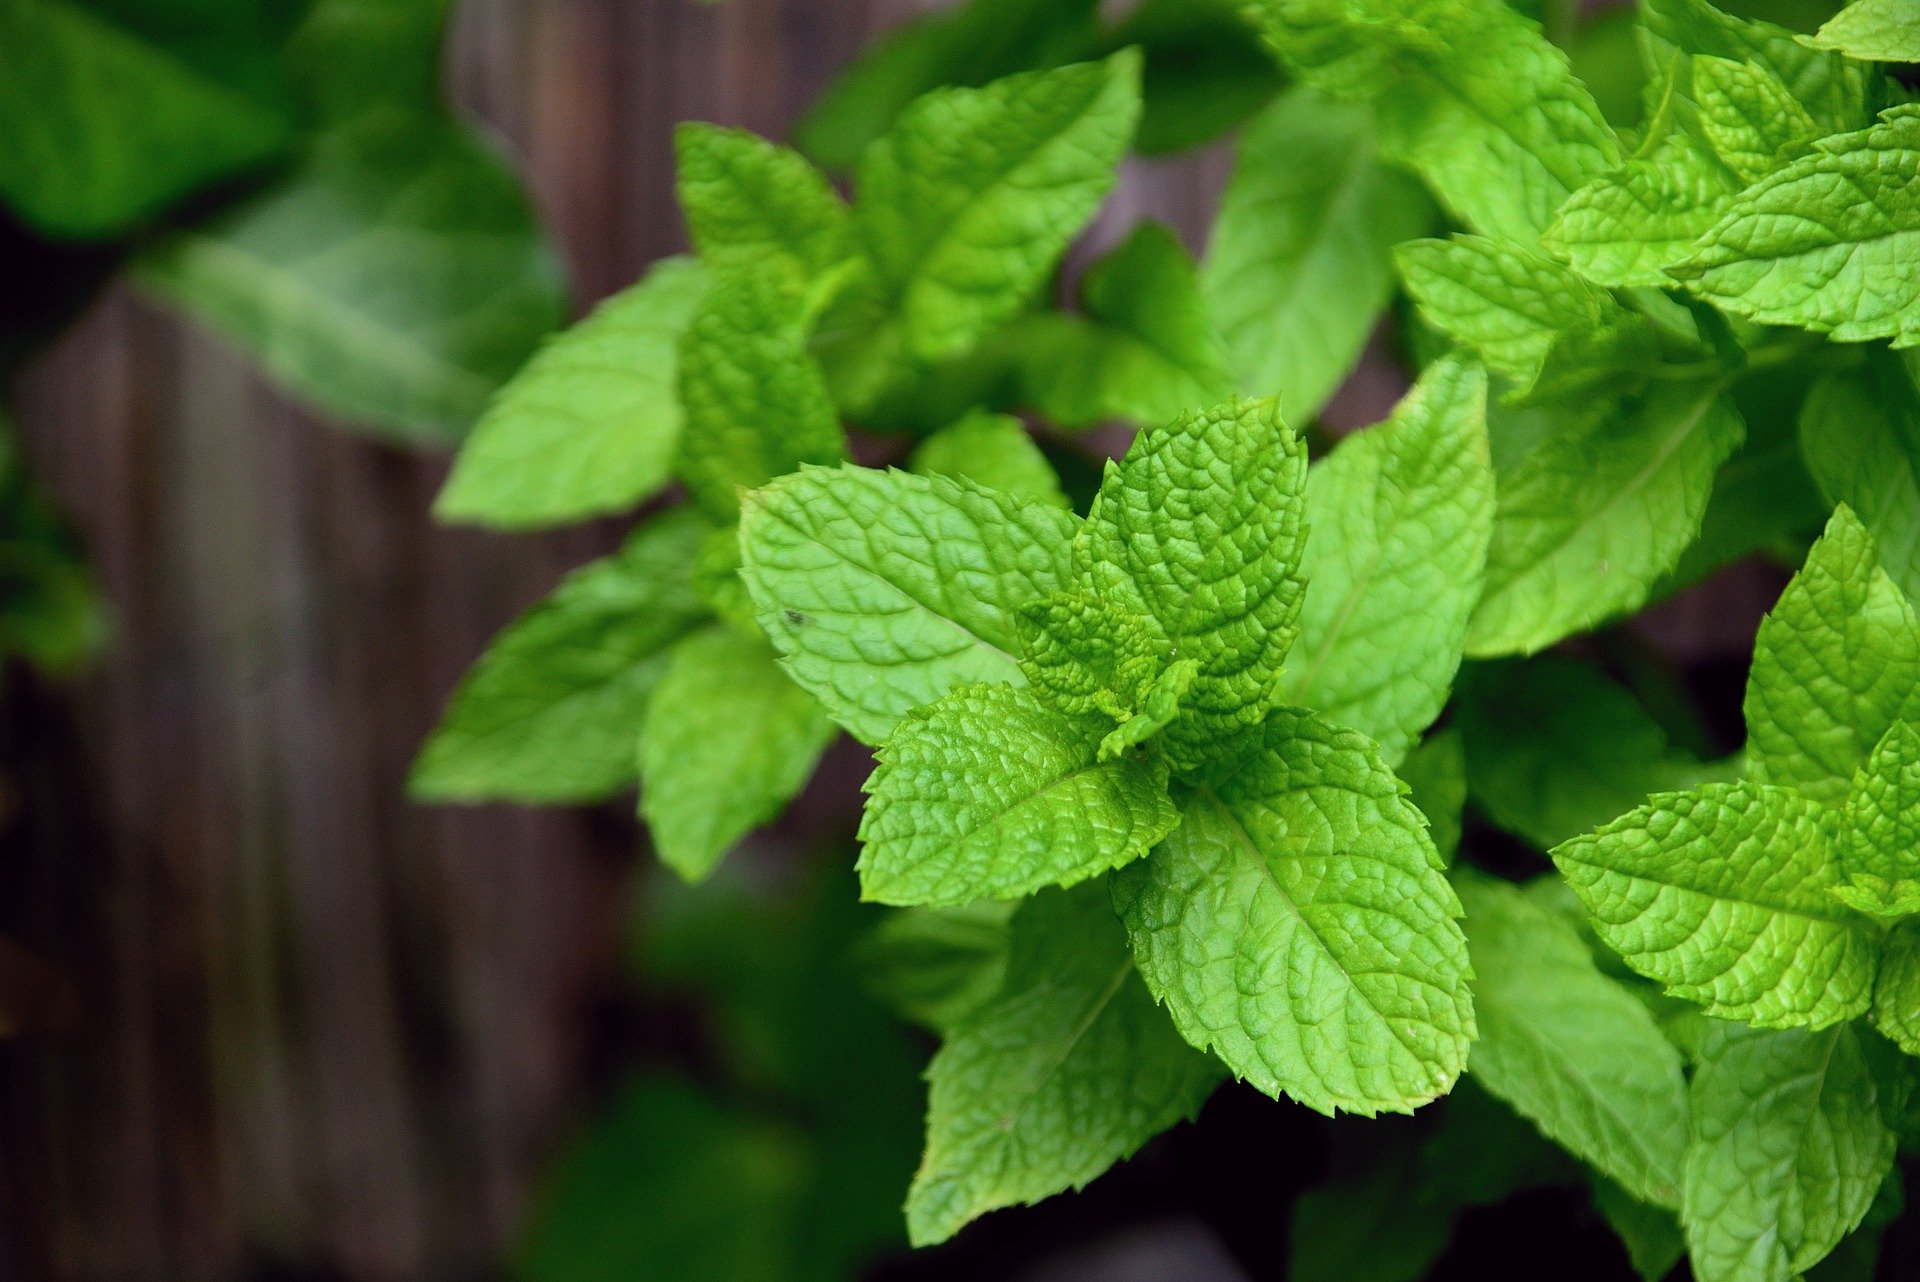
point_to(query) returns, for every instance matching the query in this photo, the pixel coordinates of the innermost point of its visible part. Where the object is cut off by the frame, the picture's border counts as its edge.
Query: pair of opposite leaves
(1058, 699)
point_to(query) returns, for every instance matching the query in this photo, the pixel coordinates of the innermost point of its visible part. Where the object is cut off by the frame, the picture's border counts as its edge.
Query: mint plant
(1331, 763)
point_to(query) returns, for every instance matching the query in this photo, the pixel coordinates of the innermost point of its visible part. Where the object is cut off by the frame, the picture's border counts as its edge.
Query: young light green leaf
(1088, 654)
(882, 591)
(1723, 896)
(756, 206)
(727, 741)
(1197, 534)
(1571, 1049)
(1623, 229)
(992, 450)
(1300, 263)
(552, 711)
(1835, 663)
(591, 425)
(990, 794)
(1748, 116)
(1401, 516)
(1874, 31)
(1556, 748)
(969, 200)
(969, 44)
(756, 404)
(1068, 1070)
(1789, 1145)
(1880, 835)
(1145, 350)
(1590, 520)
(1838, 94)
(395, 277)
(1827, 242)
(1527, 316)
(1297, 923)
(1896, 993)
(1860, 436)
(1473, 97)
(109, 114)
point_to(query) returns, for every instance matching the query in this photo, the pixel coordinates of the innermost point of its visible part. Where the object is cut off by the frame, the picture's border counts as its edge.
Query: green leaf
(1789, 1145)
(1588, 522)
(1300, 264)
(1835, 663)
(935, 966)
(970, 44)
(968, 201)
(1823, 243)
(669, 1184)
(1068, 1070)
(1896, 993)
(592, 424)
(1555, 748)
(883, 591)
(1572, 1050)
(1860, 436)
(990, 794)
(111, 113)
(991, 450)
(1401, 515)
(1472, 97)
(395, 277)
(1880, 836)
(756, 404)
(1874, 31)
(351, 57)
(1197, 534)
(1297, 924)
(1624, 229)
(1524, 314)
(552, 711)
(1748, 116)
(1206, 70)
(751, 205)
(1652, 1234)
(1722, 896)
(726, 743)
(1435, 773)
(1145, 350)
(1838, 94)
(1089, 655)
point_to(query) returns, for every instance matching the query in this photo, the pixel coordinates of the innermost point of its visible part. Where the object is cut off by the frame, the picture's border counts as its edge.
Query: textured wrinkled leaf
(969, 44)
(1297, 923)
(755, 206)
(1623, 229)
(1880, 836)
(726, 742)
(1838, 94)
(1401, 515)
(1197, 534)
(1836, 662)
(1874, 30)
(552, 711)
(1473, 97)
(1555, 748)
(882, 591)
(1748, 116)
(1145, 349)
(1571, 1049)
(756, 404)
(1069, 1069)
(1896, 993)
(1860, 436)
(1087, 654)
(109, 113)
(990, 794)
(1299, 266)
(591, 425)
(1828, 242)
(1525, 315)
(1722, 896)
(1789, 1145)
(396, 276)
(970, 198)
(1588, 522)
(992, 450)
